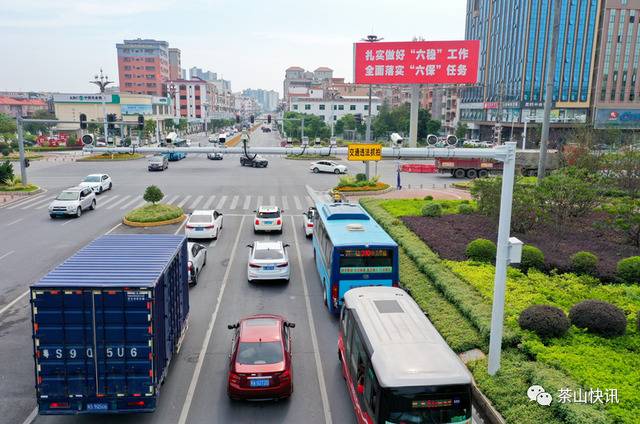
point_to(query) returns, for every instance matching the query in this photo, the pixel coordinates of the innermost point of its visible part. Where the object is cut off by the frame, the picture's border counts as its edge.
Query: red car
(260, 360)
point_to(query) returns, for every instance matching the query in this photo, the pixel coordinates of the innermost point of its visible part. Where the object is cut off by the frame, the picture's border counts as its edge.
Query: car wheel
(472, 173)
(100, 190)
(459, 173)
(78, 212)
(324, 296)
(255, 231)
(194, 279)
(336, 171)
(215, 237)
(52, 216)
(316, 170)
(204, 262)
(110, 186)
(93, 205)
(483, 173)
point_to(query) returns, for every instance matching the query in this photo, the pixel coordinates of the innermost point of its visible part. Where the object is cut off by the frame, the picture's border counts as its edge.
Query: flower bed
(109, 156)
(154, 213)
(449, 235)
(19, 188)
(377, 187)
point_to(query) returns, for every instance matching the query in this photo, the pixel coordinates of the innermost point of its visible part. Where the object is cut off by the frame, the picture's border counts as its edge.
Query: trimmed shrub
(584, 262)
(6, 172)
(465, 201)
(153, 194)
(432, 210)
(361, 177)
(629, 269)
(599, 317)
(428, 197)
(481, 250)
(638, 321)
(465, 208)
(544, 320)
(532, 257)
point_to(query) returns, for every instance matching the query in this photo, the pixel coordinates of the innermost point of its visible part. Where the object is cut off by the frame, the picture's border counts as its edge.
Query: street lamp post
(102, 81)
(206, 116)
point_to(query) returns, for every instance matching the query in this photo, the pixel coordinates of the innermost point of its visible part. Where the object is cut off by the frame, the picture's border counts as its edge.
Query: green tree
(153, 194)
(622, 170)
(169, 124)
(35, 128)
(183, 124)
(625, 216)
(6, 172)
(347, 122)
(149, 127)
(461, 130)
(7, 126)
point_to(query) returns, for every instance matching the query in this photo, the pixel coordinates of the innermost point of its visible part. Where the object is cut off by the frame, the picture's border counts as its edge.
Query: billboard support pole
(413, 116)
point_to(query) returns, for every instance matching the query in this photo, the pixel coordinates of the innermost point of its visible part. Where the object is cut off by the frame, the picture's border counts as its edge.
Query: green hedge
(468, 300)
(414, 207)
(154, 213)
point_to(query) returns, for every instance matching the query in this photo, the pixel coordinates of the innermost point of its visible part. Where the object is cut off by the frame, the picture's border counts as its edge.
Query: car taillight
(284, 376)
(136, 403)
(395, 284)
(189, 226)
(190, 266)
(252, 265)
(334, 292)
(209, 226)
(282, 265)
(234, 378)
(279, 221)
(310, 225)
(58, 405)
(257, 222)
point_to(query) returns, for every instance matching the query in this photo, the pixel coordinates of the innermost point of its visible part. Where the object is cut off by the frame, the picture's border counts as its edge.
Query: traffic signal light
(237, 118)
(358, 117)
(268, 119)
(26, 162)
(252, 119)
(140, 122)
(111, 118)
(83, 121)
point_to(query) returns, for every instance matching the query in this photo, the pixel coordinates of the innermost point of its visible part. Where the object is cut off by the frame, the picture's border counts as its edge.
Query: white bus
(398, 368)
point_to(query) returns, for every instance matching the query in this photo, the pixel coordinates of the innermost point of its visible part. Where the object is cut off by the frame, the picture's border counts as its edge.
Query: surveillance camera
(397, 138)
(432, 139)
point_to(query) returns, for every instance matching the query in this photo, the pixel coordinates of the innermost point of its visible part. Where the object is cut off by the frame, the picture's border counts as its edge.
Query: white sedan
(97, 182)
(268, 218)
(268, 260)
(307, 221)
(327, 166)
(197, 261)
(203, 224)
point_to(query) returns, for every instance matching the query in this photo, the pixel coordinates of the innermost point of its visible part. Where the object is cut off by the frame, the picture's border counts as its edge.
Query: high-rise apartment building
(267, 99)
(174, 64)
(514, 53)
(143, 66)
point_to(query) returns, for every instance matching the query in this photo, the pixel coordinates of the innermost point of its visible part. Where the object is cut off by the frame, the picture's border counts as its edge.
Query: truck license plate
(97, 407)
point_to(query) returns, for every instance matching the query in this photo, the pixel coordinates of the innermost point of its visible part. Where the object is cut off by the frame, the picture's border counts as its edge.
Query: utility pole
(413, 115)
(102, 81)
(369, 39)
(548, 93)
(23, 168)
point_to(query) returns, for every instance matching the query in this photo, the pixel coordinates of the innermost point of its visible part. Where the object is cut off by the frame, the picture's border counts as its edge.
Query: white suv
(268, 218)
(327, 166)
(73, 201)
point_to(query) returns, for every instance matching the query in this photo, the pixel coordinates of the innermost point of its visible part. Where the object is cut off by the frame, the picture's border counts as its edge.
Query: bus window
(431, 404)
(371, 392)
(366, 260)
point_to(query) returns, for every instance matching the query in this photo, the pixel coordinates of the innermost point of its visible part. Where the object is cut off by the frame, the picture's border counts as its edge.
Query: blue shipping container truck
(106, 323)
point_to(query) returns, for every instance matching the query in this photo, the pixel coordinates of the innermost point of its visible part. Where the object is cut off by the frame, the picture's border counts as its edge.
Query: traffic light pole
(23, 168)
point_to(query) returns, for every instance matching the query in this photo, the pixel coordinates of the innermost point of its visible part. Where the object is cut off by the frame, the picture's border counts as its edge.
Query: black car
(255, 162)
(214, 156)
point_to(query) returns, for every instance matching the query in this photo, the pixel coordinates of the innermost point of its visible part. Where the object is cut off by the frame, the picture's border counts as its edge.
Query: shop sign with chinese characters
(416, 62)
(362, 152)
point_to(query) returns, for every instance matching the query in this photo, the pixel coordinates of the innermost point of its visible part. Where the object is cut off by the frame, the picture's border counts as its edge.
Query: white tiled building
(347, 105)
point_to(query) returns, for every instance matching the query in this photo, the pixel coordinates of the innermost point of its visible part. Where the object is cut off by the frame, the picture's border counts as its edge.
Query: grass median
(154, 213)
(109, 157)
(19, 188)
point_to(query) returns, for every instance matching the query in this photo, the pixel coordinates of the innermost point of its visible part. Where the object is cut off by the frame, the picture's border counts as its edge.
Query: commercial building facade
(347, 105)
(143, 66)
(514, 55)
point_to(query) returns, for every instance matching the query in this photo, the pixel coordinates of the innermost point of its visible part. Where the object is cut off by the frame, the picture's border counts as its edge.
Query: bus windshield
(426, 405)
(354, 261)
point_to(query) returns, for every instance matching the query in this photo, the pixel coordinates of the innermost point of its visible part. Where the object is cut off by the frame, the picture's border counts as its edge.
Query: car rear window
(267, 254)
(200, 219)
(259, 353)
(268, 214)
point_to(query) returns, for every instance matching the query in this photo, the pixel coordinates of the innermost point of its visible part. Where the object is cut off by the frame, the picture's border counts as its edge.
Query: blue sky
(58, 45)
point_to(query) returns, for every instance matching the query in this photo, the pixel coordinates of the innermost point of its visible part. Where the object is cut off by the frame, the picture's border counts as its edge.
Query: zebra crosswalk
(223, 202)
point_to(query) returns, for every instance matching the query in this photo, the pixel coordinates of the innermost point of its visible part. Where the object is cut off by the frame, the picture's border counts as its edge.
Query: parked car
(307, 221)
(327, 166)
(260, 365)
(268, 218)
(256, 161)
(97, 182)
(268, 260)
(197, 261)
(266, 129)
(214, 156)
(203, 224)
(158, 163)
(73, 201)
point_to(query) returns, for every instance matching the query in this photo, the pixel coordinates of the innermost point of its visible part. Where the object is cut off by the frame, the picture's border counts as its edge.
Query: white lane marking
(247, 202)
(208, 202)
(184, 221)
(297, 202)
(102, 202)
(312, 327)
(40, 202)
(184, 414)
(68, 222)
(309, 201)
(272, 200)
(7, 254)
(32, 416)
(173, 199)
(14, 222)
(44, 204)
(195, 202)
(234, 202)
(185, 200)
(259, 203)
(285, 203)
(114, 204)
(134, 200)
(27, 201)
(221, 202)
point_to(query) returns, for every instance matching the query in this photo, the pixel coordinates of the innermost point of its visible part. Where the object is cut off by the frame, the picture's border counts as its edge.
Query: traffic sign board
(365, 152)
